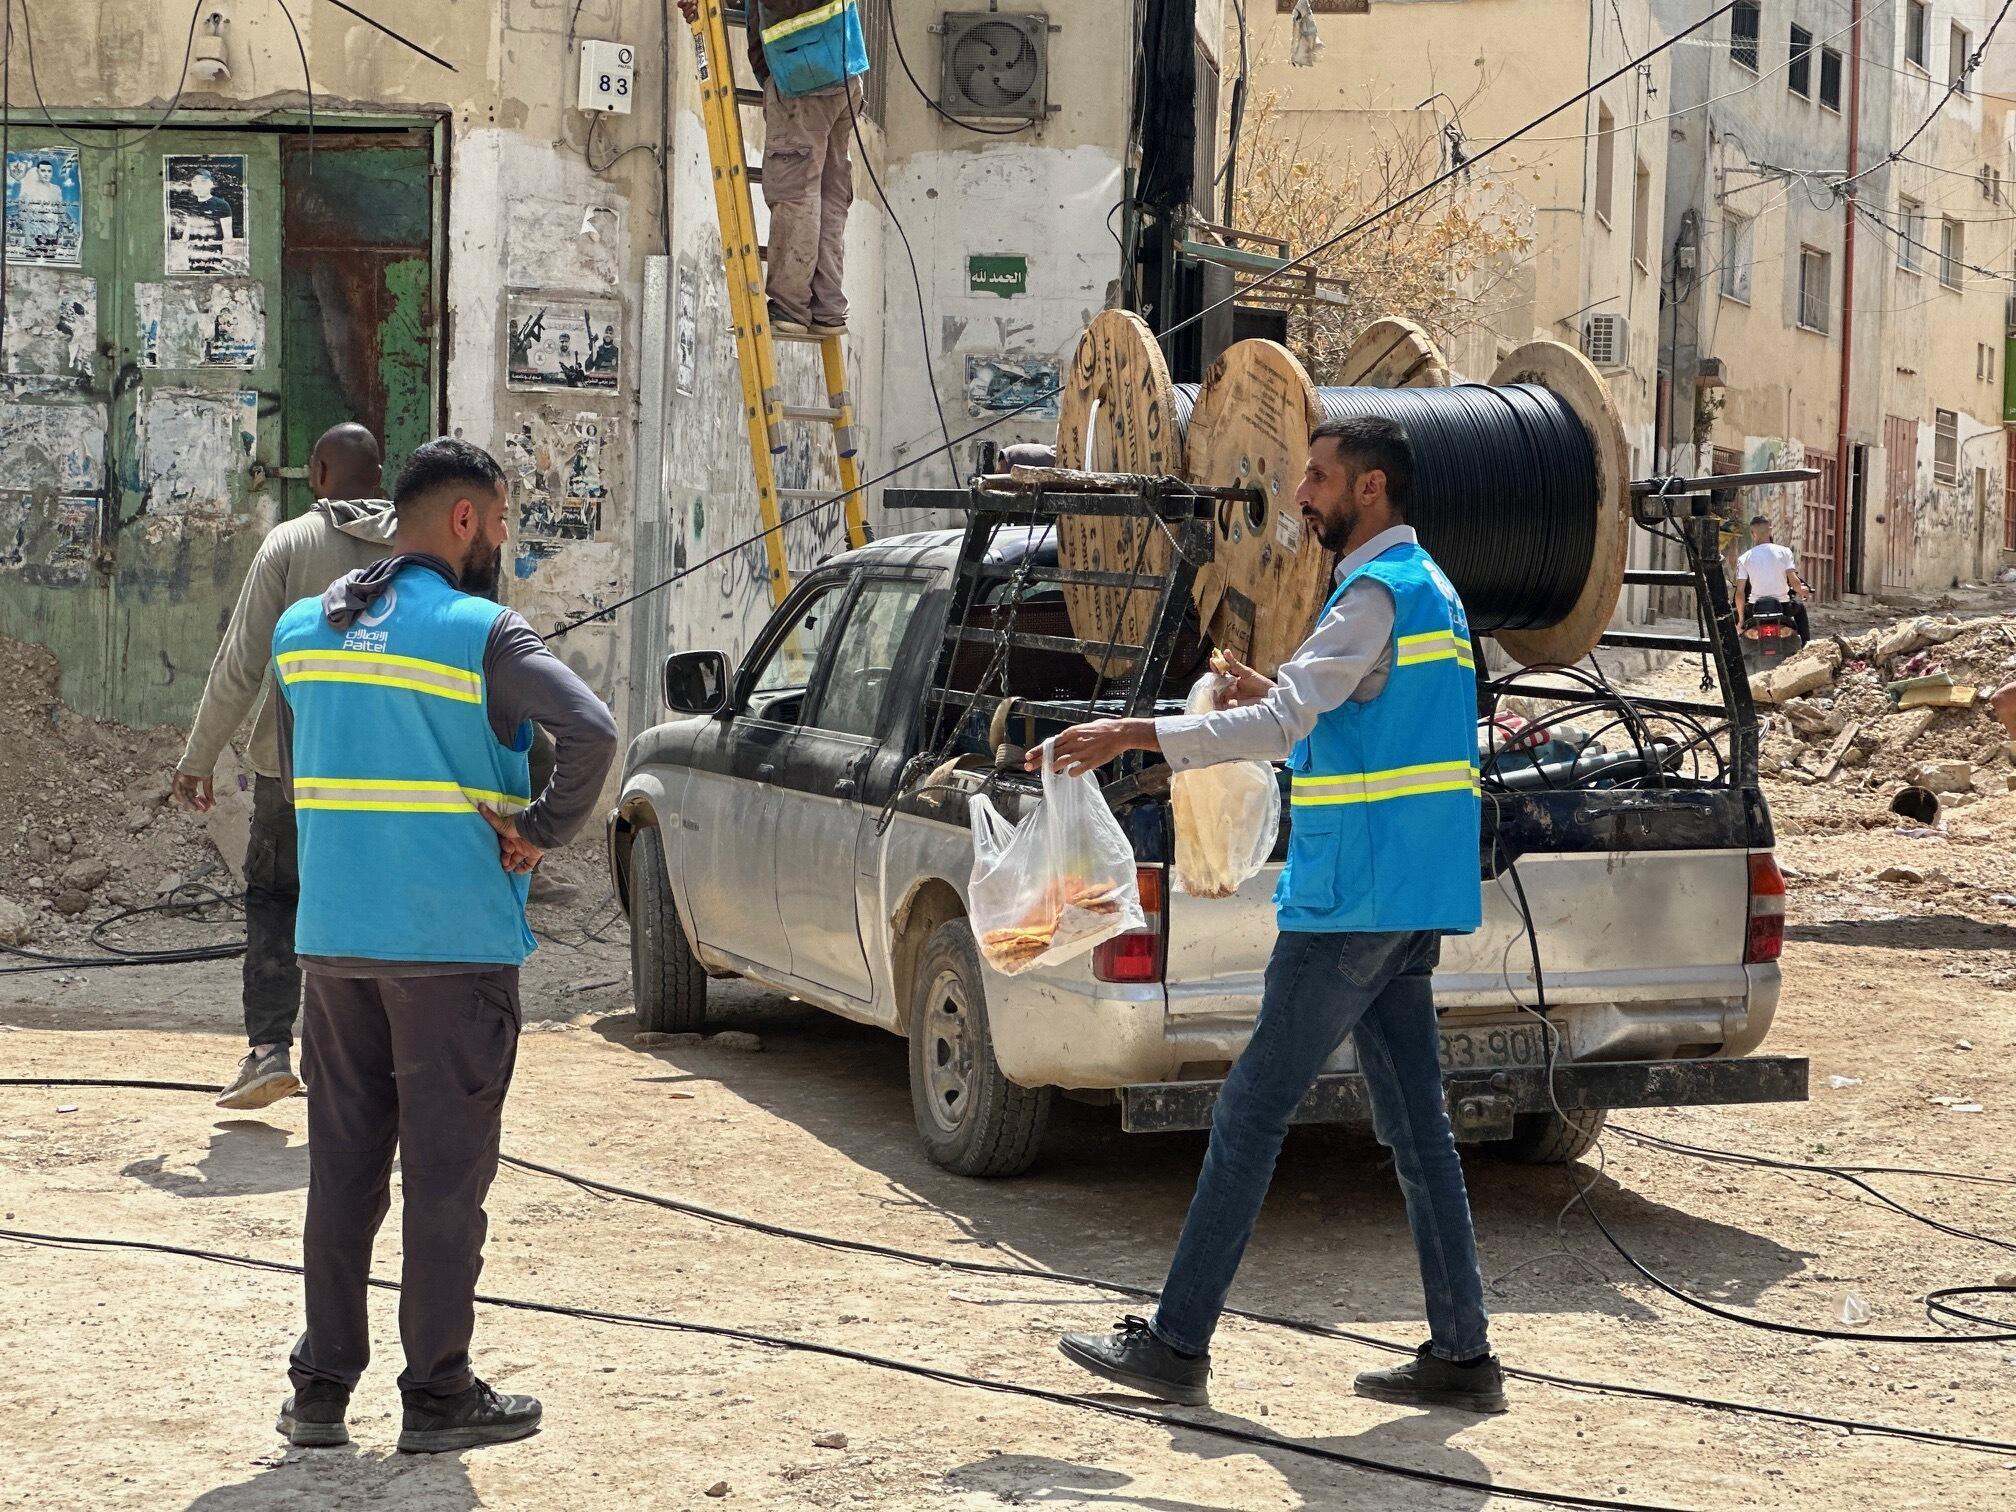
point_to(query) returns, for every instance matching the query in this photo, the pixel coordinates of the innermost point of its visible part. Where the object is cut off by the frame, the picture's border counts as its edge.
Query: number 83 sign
(608, 71)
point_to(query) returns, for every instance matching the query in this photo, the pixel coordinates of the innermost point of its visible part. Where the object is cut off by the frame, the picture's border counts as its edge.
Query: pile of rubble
(1903, 706)
(88, 829)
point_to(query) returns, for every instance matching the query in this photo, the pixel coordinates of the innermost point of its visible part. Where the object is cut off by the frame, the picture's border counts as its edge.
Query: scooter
(1769, 636)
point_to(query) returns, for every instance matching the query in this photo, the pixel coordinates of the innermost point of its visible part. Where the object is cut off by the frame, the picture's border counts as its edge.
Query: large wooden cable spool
(1568, 374)
(1118, 413)
(1270, 578)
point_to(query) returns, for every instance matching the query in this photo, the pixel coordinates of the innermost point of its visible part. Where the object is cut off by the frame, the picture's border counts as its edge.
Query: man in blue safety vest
(808, 56)
(406, 720)
(1376, 716)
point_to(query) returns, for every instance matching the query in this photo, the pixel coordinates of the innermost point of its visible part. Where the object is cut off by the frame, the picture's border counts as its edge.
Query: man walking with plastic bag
(1376, 714)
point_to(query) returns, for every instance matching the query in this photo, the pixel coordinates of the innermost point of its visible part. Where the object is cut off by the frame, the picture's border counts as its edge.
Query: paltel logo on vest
(367, 637)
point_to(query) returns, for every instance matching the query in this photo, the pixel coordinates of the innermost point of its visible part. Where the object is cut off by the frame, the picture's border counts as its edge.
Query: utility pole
(1843, 462)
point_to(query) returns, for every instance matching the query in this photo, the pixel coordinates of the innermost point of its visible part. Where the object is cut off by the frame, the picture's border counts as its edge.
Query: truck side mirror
(696, 682)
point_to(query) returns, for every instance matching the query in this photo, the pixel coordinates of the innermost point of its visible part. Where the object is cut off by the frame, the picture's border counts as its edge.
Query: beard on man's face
(1338, 529)
(482, 569)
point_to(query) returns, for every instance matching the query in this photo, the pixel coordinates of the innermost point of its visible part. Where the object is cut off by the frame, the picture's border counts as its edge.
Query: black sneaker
(1132, 1356)
(467, 1420)
(1431, 1381)
(313, 1416)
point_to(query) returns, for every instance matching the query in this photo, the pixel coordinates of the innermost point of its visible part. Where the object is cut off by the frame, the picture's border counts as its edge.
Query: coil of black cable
(1504, 494)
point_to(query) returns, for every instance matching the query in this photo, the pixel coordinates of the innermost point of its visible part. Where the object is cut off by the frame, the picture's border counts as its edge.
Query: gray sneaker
(265, 1076)
(1428, 1380)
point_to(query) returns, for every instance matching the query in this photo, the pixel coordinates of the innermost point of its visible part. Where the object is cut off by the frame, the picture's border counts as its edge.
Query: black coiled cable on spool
(1504, 495)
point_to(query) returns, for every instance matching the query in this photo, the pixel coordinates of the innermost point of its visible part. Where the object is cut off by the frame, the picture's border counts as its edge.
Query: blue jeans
(1320, 987)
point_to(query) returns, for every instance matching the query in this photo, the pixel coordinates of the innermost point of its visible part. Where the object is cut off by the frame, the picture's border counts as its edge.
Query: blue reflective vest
(809, 48)
(392, 752)
(1385, 817)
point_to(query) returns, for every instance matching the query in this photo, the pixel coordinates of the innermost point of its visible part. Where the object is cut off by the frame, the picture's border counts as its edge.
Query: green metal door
(168, 367)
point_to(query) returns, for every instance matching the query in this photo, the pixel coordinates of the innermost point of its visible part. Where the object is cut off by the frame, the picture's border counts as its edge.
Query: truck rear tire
(666, 978)
(1549, 1138)
(972, 1119)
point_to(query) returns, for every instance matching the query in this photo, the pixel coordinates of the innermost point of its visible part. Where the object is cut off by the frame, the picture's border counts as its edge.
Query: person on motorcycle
(1770, 571)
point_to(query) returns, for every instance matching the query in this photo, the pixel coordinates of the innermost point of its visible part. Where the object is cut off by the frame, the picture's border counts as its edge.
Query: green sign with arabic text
(1003, 273)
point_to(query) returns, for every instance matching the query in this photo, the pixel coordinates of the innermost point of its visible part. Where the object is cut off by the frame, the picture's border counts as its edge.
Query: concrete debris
(17, 925)
(1942, 776)
(1909, 874)
(1810, 669)
(85, 875)
(651, 1039)
(718, 1490)
(832, 1438)
(71, 902)
(735, 1039)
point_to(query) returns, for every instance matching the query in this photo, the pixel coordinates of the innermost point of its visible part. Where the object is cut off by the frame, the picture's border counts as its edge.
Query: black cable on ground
(120, 955)
(1153, 1416)
(1118, 1288)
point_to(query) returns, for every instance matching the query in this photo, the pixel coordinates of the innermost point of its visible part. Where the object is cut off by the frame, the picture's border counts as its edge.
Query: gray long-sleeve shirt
(522, 680)
(1346, 659)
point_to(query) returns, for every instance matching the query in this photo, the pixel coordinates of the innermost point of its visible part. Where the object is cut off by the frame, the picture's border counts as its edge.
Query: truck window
(777, 692)
(864, 660)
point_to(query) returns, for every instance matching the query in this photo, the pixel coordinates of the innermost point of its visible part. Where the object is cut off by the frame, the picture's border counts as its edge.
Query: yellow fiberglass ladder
(764, 409)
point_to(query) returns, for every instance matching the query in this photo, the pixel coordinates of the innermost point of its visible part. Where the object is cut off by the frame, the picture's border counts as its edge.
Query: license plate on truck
(1490, 1046)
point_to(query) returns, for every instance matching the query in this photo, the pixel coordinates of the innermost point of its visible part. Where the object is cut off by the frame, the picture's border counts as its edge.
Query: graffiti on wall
(52, 322)
(214, 324)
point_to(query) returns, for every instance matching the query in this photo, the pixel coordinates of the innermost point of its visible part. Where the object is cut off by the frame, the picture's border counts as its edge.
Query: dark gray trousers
(418, 1066)
(272, 889)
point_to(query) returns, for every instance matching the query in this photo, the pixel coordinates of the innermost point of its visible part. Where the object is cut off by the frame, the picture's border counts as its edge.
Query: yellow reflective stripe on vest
(395, 795)
(792, 24)
(1436, 645)
(382, 670)
(1397, 782)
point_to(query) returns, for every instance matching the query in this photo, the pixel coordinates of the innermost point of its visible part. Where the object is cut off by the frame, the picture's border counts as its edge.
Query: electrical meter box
(608, 76)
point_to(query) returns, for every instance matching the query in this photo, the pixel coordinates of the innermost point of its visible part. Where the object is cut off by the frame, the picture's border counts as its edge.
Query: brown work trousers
(418, 1066)
(808, 183)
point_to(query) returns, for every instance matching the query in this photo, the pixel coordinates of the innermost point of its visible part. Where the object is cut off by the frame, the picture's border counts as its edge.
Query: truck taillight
(1136, 956)
(1766, 939)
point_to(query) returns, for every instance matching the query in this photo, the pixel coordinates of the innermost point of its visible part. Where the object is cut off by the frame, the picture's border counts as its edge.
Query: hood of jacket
(367, 519)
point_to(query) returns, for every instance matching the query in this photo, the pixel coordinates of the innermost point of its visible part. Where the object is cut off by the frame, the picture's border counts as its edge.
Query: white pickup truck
(779, 829)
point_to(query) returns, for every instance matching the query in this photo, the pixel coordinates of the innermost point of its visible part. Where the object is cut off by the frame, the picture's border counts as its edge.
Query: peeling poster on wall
(686, 333)
(45, 207)
(189, 453)
(555, 467)
(1003, 383)
(52, 323)
(567, 341)
(221, 324)
(50, 546)
(203, 201)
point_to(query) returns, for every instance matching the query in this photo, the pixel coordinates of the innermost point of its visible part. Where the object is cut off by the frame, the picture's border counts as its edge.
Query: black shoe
(1134, 1357)
(1431, 1381)
(313, 1416)
(467, 1420)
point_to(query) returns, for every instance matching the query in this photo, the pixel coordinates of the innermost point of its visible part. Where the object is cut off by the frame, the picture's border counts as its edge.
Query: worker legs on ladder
(808, 183)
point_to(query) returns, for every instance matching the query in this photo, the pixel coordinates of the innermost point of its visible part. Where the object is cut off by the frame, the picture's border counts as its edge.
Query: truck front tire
(972, 1119)
(666, 978)
(1550, 1138)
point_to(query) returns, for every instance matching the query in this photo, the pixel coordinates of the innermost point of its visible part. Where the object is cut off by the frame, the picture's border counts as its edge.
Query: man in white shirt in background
(1768, 570)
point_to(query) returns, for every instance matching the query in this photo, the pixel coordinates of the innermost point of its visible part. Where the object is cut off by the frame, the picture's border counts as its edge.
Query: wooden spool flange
(1566, 372)
(1117, 414)
(1269, 579)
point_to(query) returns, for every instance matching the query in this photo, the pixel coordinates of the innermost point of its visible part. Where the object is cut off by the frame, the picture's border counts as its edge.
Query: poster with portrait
(564, 342)
(203, 201)
(45, 207)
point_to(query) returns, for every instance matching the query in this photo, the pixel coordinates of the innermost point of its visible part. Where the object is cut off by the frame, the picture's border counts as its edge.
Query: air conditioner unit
(1606, 340)
(1713, 373)
(997, 64)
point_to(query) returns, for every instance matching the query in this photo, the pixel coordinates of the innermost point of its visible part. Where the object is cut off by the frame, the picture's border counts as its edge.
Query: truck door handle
(765, 772)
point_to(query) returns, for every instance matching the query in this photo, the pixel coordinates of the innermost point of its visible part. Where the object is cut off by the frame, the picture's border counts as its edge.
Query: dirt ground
(146, 1380)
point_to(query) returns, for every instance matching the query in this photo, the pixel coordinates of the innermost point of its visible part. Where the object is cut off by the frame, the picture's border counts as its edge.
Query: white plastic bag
(1227, 816)
(1055, 885)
